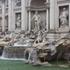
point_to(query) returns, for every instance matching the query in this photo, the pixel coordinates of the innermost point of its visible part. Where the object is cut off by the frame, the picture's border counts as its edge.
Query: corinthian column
(47, 16)
(53, 15)
(29, 20)
(11, 24)
(23, 15)
(3, 16)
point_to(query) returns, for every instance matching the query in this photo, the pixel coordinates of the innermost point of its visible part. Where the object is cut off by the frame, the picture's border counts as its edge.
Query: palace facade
(17, 14)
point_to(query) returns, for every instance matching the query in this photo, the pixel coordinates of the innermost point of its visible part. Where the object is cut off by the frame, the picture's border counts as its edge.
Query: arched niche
(37, 5)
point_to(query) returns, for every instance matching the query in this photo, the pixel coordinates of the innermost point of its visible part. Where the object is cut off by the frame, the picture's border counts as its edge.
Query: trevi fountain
(47, 36)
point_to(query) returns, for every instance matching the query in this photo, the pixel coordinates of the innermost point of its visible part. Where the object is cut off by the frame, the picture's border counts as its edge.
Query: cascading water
(16, 51)
(13, 52)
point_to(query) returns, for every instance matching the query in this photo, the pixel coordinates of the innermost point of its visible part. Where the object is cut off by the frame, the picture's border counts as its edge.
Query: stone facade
(20, 12)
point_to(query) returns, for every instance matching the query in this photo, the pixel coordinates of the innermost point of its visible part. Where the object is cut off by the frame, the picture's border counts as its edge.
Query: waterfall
(13, 53)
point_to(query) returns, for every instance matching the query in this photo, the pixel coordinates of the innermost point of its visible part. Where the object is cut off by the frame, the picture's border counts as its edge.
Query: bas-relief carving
(17, 3)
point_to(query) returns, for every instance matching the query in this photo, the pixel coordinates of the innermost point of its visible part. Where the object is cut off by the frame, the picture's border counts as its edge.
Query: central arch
(40, 6)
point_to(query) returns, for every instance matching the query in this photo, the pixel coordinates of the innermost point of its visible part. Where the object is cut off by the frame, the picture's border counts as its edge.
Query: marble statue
(18, 23)
(63, 17)
(30, 55)
(36, 19)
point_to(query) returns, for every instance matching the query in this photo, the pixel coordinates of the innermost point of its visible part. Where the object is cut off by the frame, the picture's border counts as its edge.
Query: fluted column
(53, 15)
(29, 20)
(3, 16)
(11, 16)
(47, 17)
(23, 15)
(69, 17)
(56, 24)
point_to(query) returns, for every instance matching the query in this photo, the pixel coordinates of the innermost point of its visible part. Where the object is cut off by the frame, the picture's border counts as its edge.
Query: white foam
(3, 58)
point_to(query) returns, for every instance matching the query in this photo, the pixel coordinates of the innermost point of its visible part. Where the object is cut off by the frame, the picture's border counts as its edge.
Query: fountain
(13, 52)
(15, 48)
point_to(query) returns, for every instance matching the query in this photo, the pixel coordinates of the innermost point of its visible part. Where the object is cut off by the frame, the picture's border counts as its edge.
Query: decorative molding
(63, 1)
(17, 9)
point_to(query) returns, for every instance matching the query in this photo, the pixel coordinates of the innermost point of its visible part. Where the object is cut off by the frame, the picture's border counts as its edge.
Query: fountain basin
(17, 50)
(13, 52)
